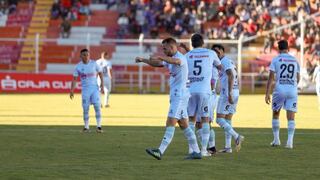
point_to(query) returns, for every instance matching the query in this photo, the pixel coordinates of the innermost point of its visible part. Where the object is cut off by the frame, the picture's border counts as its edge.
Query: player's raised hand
(71, 95)
(267, 99)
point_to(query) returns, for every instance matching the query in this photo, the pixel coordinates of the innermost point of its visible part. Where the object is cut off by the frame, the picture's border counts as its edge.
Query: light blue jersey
(227, 64)
(286, 69)
(316, 75)
(178, 76)
(201, 62)
(88, 73)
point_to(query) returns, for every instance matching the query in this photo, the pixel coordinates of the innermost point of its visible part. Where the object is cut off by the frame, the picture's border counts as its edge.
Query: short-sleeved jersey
(227, 64)
(178, 76)
(104, 65)
(88, 73)
(316, 74)
(201, 62)
(286, 68)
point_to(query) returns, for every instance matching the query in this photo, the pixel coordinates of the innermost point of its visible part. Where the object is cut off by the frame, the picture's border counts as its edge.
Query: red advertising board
(36, 83)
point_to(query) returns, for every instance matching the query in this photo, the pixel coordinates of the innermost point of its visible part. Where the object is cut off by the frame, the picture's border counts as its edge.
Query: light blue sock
(205, 133)
(228, 137)
(86, 116)
(167, 138)
(291, 129)
(192, 126)
(98, 114)
(276, 130)
(192, 141)
(226, 127)
(212, 138)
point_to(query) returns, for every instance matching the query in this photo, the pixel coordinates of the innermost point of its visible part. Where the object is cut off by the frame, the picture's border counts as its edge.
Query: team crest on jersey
(191, 56)
(227, 107)
(280, 60)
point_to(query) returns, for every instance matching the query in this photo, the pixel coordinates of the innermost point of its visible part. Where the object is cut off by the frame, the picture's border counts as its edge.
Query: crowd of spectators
(8, 6)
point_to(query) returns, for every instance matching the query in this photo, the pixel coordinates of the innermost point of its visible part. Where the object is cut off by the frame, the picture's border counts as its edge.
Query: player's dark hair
(84, 50)
(219, 46)
(104, 53)
(169, 40)
(197, 40)
(283, 45)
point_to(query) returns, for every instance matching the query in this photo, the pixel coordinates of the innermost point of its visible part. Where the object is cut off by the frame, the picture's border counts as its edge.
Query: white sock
(291, 128)
(226, 127)
(228, 137)
(276, 130)
(192, 141)
(205, 133)
(167, 138)
(86, 116)
(98, 114)
(106, 96)
(212, 138)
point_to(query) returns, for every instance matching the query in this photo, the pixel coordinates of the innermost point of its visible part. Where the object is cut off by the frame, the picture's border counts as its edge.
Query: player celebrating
(106, 66)
(285, 93)
(201, 61)
(87, 70)
(179, 96)
(228, 100)
(316, 79)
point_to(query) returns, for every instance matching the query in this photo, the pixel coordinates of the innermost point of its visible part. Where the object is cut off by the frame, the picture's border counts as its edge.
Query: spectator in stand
(123, 23)
(84, 7)
(55, 10)
(268, 43)
(65, 28)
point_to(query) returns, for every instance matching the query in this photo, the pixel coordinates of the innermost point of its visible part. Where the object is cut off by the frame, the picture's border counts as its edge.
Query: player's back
(200, 65)
(227, 64)
(286, 69)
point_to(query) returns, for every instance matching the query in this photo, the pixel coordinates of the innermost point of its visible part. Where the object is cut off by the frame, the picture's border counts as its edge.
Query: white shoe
(289, 146)
(225, 150)
(205, 154)
(275, 143)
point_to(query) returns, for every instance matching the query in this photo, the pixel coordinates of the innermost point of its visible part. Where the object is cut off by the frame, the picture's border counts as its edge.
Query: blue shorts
(90, 95)
(224, 107)
(199, 104)
(286, 100)
(178, 108)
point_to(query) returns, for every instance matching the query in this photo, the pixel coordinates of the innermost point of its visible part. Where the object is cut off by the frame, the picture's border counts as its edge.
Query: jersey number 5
(197, 67)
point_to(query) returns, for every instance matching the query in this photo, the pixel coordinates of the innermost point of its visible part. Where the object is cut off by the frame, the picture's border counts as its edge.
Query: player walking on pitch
(316, 79)
(201, 62)
(179, 96)
(286, 71)
(87, 70)
(105, 64)
(228, 100)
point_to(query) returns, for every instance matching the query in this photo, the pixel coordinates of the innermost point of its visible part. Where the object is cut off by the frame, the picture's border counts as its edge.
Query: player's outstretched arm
(151, 62)
(268, 88)
(73, 85)
(167, 59)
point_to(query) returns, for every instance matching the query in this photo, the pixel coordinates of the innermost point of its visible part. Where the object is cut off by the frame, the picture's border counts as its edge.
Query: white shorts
(178, 108)
(224, 107)
(199, 104)
(90, 95)
(286, 100)
(212, 107)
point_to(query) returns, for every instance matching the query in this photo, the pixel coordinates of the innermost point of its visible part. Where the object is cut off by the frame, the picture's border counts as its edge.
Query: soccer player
(316, 79)
(87, 70)
(201, 62)
(105, 64)
(285, 70)
(228, 100)
(179, 96)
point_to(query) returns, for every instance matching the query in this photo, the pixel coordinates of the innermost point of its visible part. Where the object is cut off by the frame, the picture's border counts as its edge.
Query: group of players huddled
(193, 79)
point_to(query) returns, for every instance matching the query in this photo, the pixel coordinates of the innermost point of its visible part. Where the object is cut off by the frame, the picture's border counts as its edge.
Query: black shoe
(154, 153)
(99, 130)
(212, 150)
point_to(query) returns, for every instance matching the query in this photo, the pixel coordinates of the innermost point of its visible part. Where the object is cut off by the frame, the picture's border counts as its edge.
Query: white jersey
(286, 68)
(88, 73)
(178, 76)
(227, 64)
(105, 66)
(201, 62)
(316, 74)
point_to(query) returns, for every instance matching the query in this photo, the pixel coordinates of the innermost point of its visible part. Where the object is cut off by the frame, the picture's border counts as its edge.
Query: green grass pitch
(40, 139)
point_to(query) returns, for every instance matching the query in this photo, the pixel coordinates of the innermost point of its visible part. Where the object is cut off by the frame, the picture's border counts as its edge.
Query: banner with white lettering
(38, 83)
